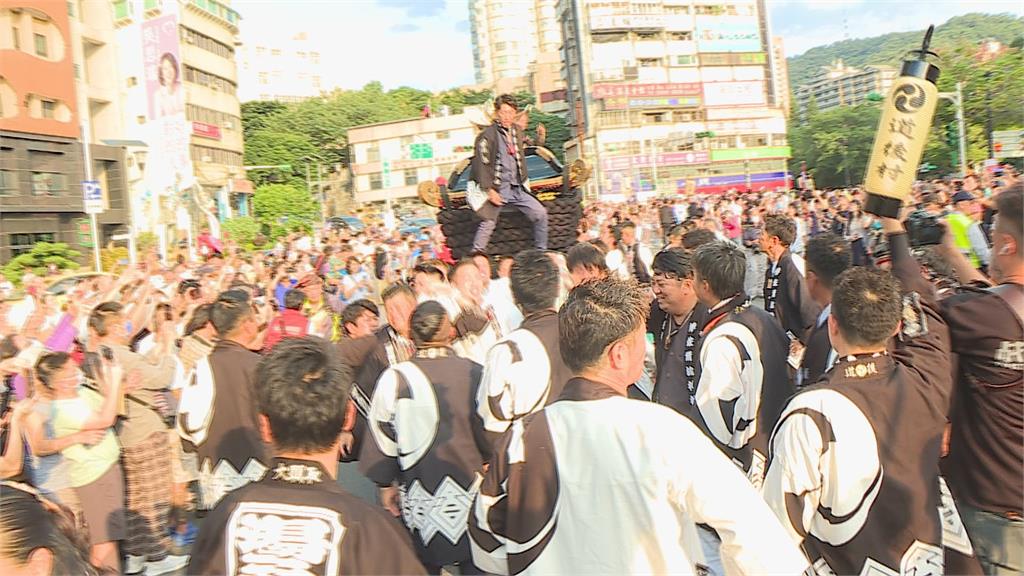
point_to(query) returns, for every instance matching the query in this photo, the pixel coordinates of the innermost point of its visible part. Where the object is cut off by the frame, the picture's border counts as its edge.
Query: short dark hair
(782, 227)
(534, 281)
(673, 262)
(1010, 208)
(597, 314)
(723, 266)
(828, 255)
(866, 304)
(698, 237)
(294, 299)
(302, 388)
(397, 289)
(427, 322)
(230, 309)
(627, 224)
(586, 255)
(200, 317)
(433, 268)
(48, 364)
(30, 522)
(465, 262)
(100, 316)
(506, 99)
(355, 310)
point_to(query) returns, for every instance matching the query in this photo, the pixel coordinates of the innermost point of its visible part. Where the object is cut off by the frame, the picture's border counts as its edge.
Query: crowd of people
(751, 383)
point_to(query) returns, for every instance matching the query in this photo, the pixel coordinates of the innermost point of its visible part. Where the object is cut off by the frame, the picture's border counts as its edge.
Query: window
(41, 47)
(648, 62)
(372, 154)
(316, 82)
(216, 117)
(443, 135)
(499, 46)
(207, 43)
(680, 36)
(411, 178)
(264, 78)
(48, 108)
(48, 183)
(686, 60)
(501, 60)
(208, 154)
(8, 183)
(212, 81)
(405, 141)
(21, 243)
(375, 181)
(275, 52)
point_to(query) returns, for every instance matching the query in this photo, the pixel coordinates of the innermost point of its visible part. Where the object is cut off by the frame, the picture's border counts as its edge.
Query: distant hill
(957, 33)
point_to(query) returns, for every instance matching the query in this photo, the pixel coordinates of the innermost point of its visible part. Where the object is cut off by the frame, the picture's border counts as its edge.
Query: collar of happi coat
(296, 471)
(580, 389)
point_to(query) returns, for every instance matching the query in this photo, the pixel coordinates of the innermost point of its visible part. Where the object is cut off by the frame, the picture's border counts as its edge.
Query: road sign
(92, 194)
(1008, 143)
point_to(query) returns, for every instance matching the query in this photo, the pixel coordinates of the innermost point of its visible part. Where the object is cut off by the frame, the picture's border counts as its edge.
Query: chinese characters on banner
(169, 165)
(901, 138)
(663, 90)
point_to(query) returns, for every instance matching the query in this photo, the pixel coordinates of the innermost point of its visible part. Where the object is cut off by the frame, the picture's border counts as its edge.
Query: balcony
(621, 22)
(218, 10)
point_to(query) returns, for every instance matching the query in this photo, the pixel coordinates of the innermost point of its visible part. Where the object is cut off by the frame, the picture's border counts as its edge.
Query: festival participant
(216, 417)
(676, 337)
(785, 291)
(586, 262)
(873, 425)
(827, 256)
(986, 451)
(427, 441)
(297, 518)
(570, 492)
(636, 258)
(499, 170)
(525, 371)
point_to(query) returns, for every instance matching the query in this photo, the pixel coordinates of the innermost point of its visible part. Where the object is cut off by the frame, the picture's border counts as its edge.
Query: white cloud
(361, 41)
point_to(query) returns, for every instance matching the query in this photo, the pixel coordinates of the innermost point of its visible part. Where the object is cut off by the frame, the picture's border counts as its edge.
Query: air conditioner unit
(214, 86)
(229, 125)
(630, 73)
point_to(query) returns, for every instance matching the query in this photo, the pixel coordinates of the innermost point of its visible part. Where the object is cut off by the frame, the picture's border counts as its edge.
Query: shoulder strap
(1014, 298)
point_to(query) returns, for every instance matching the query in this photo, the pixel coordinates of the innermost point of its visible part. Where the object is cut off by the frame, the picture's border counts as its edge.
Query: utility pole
(988, 114)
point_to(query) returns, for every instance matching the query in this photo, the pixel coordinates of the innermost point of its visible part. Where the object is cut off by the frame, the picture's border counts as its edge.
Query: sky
(426, 43)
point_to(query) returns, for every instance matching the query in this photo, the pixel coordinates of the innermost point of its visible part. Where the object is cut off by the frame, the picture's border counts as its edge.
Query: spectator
(966, 229)
(39, 536)
(289, 323)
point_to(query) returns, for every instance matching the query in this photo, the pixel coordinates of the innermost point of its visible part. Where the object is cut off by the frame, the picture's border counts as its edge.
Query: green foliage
(258, 114)
(42, 255)
(457, 99)
(835, 143)
(285, 208)
(244, 230)
(145, 242)
(557, 131)
(890, 48)
(271, 148)
(814, 138)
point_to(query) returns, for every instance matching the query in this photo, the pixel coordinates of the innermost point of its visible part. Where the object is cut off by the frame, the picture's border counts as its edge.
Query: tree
(267, 148)
(836, 143)
(284, 208)
(258, 114)
(40, 257)
(244, 230)
(557, 131)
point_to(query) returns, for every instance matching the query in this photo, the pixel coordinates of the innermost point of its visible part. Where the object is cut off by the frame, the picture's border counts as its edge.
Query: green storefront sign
(84, 232)
(421, 151)
(732, 154)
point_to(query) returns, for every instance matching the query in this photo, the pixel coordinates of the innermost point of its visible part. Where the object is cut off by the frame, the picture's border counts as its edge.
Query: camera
(923, 229)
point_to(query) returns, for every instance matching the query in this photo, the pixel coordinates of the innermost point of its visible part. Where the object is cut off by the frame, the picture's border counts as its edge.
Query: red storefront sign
(206, 130)
(602, 91)
(648, 160)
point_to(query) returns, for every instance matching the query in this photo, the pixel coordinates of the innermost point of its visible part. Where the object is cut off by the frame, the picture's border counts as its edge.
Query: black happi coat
(298, 520)
(426, 436)
(860, 449)
(786, 296)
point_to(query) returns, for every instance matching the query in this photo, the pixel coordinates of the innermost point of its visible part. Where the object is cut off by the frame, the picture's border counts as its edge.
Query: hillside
(889, 48)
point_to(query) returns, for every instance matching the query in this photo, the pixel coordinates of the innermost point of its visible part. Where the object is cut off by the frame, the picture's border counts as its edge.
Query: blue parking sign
(92, 193)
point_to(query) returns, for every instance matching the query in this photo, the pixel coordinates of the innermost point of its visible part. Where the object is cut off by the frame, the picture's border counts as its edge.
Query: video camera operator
(986, 455)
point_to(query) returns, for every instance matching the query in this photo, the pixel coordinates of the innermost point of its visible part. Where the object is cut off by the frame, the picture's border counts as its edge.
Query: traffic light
(952, 135)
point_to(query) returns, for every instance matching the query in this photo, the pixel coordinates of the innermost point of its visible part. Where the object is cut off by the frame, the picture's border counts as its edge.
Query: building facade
(516, 46)
(390, 159)
(672, 96)
(42, 114)
(184, 129)
(287, 71)
(781, 75)
(842, 85)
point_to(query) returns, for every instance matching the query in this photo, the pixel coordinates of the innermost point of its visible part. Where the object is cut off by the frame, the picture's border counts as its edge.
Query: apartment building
(285, 71)
(390, 159)
(673, 96)
(840, 85)
(516, 46)
(42, 113)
